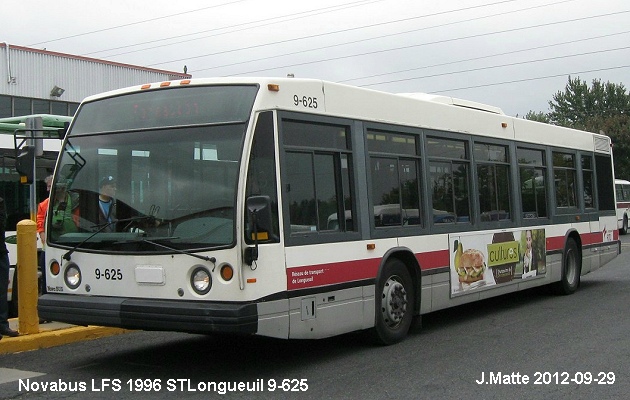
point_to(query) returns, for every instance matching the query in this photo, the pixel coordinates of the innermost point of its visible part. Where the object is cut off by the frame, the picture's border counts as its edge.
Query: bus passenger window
(449, 179)
(565, 180)
(395, 178)
(317, 185)
(589, 182)
(532, 173)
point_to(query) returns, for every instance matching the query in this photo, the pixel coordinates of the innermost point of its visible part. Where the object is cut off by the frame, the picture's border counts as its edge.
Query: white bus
(622, 187)
(16, 195)
(229, 194)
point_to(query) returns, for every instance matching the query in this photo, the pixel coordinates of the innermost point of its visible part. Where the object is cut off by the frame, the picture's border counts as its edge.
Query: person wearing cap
(106, 203)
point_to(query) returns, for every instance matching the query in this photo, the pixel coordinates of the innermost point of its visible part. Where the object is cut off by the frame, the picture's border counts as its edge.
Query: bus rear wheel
(571, 269)
(624, 225)
(394, 303)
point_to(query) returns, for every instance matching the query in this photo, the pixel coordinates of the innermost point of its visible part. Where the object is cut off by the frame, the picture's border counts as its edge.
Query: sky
(513, 54)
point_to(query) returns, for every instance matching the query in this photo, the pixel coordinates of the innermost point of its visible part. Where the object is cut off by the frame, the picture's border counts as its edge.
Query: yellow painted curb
(54, 338)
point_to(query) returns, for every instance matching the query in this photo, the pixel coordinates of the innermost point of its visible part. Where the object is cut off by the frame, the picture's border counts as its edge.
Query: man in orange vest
(42, 208)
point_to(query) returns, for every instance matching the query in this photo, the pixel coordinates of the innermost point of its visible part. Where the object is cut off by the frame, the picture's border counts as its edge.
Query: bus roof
(415, 110)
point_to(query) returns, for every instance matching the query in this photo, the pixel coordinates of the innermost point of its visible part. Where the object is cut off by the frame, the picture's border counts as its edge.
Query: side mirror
(259, 208)
(260, 224)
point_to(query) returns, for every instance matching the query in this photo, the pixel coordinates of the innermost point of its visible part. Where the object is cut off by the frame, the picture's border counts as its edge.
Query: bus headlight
(72, 276)
(200, 280)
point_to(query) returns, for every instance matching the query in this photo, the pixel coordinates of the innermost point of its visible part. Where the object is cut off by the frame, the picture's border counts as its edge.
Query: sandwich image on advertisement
(470, 264)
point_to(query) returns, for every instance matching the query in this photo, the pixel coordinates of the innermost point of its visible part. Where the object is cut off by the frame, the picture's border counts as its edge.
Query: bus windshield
(148, 189)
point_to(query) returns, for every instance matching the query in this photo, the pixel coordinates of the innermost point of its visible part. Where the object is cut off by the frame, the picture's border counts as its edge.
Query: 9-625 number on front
(110, 274)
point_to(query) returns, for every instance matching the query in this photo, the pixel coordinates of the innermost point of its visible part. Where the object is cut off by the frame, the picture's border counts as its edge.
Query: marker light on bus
(200, 280)
(55, 268)
(227, 272)
(72, 276)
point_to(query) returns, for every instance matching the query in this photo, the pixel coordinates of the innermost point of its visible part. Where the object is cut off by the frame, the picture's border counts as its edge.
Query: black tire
(624, 225)
(571, 269)
(394, 300)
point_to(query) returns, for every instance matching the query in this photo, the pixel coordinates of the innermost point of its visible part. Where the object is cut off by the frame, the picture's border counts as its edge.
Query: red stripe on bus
(328, 274)
(309, 276)
(557, 243)
(433, 259)
(592, 238)
(348, 271)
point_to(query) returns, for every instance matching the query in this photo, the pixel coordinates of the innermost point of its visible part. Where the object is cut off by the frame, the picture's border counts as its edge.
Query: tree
(602, 107)
(580, 106)
(538, 116)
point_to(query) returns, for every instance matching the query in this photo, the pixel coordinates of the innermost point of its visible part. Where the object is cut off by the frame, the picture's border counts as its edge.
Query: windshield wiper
(101, 228)
(188, 253)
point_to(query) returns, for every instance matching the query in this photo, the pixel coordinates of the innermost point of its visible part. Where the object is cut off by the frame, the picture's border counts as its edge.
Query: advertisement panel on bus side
(485, 260)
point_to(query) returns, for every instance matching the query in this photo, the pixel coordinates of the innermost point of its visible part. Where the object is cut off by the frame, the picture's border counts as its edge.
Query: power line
(528, 79)
(411, 46)
(498, 66)
(344, 31)
(479, 58)
(136, 23)
(267, 21)
(359, 28)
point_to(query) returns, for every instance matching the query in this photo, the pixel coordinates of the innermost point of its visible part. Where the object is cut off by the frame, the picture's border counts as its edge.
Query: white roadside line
(11, 375)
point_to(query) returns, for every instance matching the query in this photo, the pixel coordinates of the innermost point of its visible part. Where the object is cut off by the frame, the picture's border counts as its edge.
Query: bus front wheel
(571, 269)
(394, 303)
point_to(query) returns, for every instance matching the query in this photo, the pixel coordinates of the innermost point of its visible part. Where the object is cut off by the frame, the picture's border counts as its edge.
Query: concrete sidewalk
(53, 334)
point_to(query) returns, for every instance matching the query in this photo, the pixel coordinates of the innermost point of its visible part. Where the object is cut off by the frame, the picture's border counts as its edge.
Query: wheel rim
(393, 302)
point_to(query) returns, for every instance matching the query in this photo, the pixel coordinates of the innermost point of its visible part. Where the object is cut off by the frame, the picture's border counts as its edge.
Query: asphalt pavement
(53, 334)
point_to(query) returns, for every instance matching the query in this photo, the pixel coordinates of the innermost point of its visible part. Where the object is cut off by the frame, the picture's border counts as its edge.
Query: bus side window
(493, 175)
(565, 179)
(449, 174)
(532, 173)
(395, 177)
(318, 185)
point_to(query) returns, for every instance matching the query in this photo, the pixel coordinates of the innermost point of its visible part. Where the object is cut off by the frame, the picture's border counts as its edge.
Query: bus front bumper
(150, 314)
